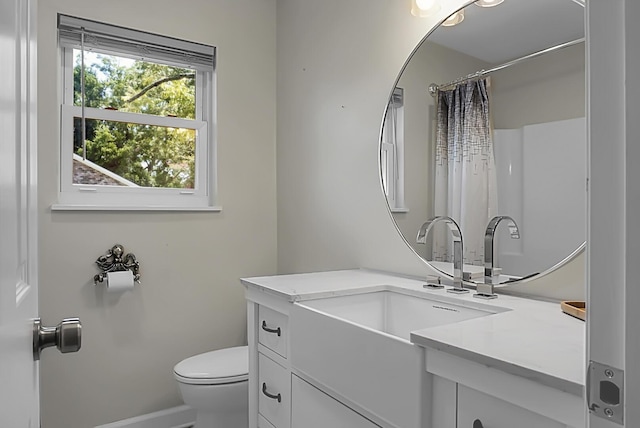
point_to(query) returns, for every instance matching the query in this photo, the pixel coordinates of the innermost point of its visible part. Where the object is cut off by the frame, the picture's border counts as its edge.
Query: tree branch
(158, 83)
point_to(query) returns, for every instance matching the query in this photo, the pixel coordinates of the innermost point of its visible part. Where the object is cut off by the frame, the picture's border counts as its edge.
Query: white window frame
(112, 197)
(392, 153)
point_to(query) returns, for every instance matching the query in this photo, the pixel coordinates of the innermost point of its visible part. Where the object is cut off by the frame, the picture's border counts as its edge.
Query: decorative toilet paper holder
(115, 260)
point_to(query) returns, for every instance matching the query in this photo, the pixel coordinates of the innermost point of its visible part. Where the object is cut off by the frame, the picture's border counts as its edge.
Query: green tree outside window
(150, 156)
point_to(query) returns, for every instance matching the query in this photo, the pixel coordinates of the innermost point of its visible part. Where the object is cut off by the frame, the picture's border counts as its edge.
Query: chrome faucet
(457, 248)
(486, 290)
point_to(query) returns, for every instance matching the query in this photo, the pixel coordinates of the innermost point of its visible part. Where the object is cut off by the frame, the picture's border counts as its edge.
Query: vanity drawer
(492, 412)
(274, 383)
(273, 330)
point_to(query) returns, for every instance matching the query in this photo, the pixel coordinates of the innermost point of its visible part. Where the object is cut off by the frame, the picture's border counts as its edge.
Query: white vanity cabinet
(480, 410)
(312, 369)
(455, 405)
(274, 387)
(466, 394)
(277, 397)
(269, 367)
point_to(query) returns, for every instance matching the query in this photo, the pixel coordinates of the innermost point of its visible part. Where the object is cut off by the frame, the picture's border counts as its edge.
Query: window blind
(135, 44)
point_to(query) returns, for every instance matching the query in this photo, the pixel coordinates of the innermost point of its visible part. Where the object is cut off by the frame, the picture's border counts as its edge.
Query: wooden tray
(575, 309)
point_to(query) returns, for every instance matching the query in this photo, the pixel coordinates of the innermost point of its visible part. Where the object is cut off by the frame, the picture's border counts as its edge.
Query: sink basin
(393, 312)
(357, 347)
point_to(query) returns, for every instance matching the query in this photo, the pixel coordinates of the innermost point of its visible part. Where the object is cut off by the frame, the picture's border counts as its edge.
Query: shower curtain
(465, 174)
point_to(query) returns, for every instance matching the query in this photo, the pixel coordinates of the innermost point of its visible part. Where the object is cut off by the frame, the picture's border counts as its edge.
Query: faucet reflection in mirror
(485, 291)
(423, 232)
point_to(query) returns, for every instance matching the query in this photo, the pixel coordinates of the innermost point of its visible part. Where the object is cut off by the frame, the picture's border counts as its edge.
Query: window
(392, 152)
(136, 119)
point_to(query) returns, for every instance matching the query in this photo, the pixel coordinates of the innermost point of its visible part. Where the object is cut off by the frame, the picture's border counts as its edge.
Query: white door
(18, 281)
(19, 347)
(613, 290)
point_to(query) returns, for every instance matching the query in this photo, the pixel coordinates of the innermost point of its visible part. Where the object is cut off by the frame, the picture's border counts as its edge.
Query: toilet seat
(224, 366)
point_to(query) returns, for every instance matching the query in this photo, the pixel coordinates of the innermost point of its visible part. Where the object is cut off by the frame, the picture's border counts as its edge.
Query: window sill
(70, 207)
(399, 210)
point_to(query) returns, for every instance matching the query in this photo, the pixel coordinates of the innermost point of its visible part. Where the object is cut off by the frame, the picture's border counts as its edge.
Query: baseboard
(175, 417)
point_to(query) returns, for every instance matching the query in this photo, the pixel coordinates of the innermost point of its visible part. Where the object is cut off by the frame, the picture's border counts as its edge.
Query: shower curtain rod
(433, 88)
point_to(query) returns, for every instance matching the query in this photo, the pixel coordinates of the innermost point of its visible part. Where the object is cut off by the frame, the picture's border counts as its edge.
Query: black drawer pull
(273, 397)
(477, 424)
(270, 330)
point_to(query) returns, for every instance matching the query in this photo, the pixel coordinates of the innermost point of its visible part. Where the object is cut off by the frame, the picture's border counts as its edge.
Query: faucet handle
(485, 291)
(489, 235)
(432, 285)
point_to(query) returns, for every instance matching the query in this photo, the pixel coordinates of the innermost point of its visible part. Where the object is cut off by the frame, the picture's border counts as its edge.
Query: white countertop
(533, 339)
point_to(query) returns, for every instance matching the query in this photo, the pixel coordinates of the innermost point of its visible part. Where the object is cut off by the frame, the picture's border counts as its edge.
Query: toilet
(215, 384)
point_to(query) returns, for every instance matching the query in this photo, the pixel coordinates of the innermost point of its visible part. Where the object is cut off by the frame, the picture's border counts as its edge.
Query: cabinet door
(479, 410)
(312, 408)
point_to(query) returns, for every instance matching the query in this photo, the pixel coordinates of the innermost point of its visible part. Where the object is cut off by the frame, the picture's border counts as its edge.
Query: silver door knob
(66, 336)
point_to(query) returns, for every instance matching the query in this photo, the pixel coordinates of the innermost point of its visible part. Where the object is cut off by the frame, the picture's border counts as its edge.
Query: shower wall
(541, 172)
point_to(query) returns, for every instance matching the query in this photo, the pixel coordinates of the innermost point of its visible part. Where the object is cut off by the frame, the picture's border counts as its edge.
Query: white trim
(400, 210)
(392, 153)
(613, 208)
(98, 207)
(175, 417)
(76, 197)
(388, 156)
(127, 117)
(67, 75)
(118, 196)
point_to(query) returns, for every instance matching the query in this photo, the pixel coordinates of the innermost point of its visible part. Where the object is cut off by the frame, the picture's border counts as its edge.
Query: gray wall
(332, 90)
(190, 300)
(548, 88)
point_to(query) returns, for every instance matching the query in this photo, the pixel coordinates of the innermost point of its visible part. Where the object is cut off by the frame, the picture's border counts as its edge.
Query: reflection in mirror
(488, 119)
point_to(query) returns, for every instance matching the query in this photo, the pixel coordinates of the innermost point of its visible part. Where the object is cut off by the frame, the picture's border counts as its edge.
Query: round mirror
(486, 125)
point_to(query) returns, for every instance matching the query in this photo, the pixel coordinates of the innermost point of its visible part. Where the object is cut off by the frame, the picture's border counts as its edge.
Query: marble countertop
(525, 337)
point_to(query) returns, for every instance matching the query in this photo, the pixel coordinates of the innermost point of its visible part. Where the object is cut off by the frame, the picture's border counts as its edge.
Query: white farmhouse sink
(357, 347)
(395, 313)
